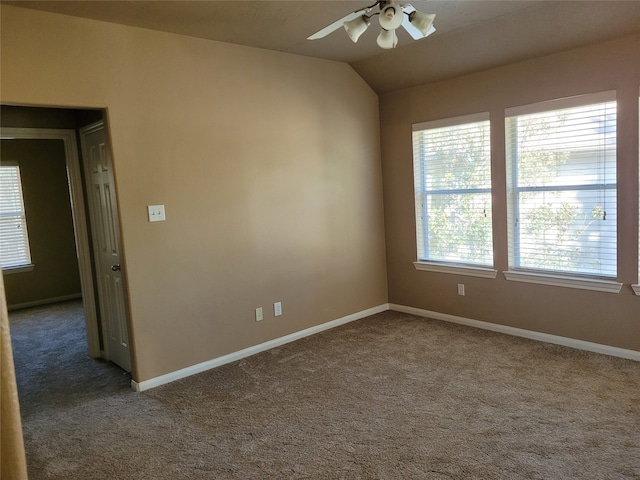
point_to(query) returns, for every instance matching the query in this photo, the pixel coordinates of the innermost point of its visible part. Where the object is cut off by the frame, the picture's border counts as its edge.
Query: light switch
(156, 213)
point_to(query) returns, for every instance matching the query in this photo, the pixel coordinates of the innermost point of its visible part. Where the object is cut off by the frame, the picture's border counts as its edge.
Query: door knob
(115, 268)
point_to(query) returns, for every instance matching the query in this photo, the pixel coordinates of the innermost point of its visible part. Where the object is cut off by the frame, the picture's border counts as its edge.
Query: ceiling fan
(392, 15)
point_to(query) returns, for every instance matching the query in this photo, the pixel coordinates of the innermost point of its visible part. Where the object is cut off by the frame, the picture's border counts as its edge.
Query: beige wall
(586, 315)
(268, 165)
(49, 225)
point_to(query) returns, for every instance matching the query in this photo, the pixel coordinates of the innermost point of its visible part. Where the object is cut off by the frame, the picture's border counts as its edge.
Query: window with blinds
(561, 173)
(452, 178)
(14, 242)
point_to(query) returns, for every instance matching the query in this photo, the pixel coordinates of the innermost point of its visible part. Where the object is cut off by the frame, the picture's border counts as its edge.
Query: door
(105, 232)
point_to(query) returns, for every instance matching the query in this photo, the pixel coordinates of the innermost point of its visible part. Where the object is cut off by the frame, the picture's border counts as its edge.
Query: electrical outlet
(461, 289)
(277, 309)
(259, 315)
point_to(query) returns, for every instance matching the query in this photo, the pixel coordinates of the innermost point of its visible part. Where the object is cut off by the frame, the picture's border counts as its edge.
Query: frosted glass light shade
(391, 17)
(422, 21)
(356, 27)
(387, 39)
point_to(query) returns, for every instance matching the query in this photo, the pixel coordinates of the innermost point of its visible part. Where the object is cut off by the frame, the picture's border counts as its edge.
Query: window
(14, 243)
(452, 178)
(561, 173)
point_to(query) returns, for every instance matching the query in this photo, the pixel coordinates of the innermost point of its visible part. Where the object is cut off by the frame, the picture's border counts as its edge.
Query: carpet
(392, 396)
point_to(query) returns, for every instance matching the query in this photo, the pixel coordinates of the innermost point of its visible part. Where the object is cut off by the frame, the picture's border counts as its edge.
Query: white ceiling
(471, 35)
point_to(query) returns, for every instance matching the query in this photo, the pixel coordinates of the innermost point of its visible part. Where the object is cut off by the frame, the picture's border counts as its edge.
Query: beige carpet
(392, 396)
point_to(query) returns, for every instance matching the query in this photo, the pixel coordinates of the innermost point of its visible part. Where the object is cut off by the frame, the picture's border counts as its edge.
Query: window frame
(27, 265)
(580, 280)
(443, 265)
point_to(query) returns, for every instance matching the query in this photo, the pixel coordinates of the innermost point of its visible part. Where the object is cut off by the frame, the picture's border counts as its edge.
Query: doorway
(34, 123)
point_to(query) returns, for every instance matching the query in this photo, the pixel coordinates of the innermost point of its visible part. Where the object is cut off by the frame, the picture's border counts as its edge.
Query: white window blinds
(561, 159)
(14, 243)
(452, 178)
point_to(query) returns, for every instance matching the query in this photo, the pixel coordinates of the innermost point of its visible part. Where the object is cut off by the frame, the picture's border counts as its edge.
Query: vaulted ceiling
(471, 35)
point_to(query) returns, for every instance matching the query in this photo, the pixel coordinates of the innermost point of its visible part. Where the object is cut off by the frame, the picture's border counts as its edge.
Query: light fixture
(387, 39)
(357, 27)
(422, 21)
(392, 15)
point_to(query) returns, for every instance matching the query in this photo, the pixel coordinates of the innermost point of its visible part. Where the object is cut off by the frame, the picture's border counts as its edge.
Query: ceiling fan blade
(407, 8)
(337, 24)
(413, 31)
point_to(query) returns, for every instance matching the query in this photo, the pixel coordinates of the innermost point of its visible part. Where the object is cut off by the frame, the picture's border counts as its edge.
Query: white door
(105, 233)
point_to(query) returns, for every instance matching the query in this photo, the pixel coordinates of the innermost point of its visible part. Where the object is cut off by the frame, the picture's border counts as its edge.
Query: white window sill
(18, 269)
(456, 269)
(609, 286)
(636, 288)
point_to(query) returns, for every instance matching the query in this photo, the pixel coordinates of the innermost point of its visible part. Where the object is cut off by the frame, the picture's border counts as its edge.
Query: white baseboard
(232, 357)
(519, 332)
(44, 301)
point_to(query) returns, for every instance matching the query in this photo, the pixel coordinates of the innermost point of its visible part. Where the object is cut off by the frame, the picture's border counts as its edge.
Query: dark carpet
(392, 396)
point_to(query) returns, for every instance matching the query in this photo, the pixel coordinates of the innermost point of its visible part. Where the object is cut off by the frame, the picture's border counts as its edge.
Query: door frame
(79, 213)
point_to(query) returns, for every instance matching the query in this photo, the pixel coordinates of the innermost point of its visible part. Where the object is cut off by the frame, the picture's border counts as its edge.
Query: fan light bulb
(357, 27)
(387, 39)
(391, 16)
(422, 21)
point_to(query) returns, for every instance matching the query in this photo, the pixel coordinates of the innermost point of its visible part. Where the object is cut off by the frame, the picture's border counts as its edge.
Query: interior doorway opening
(61, 128)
